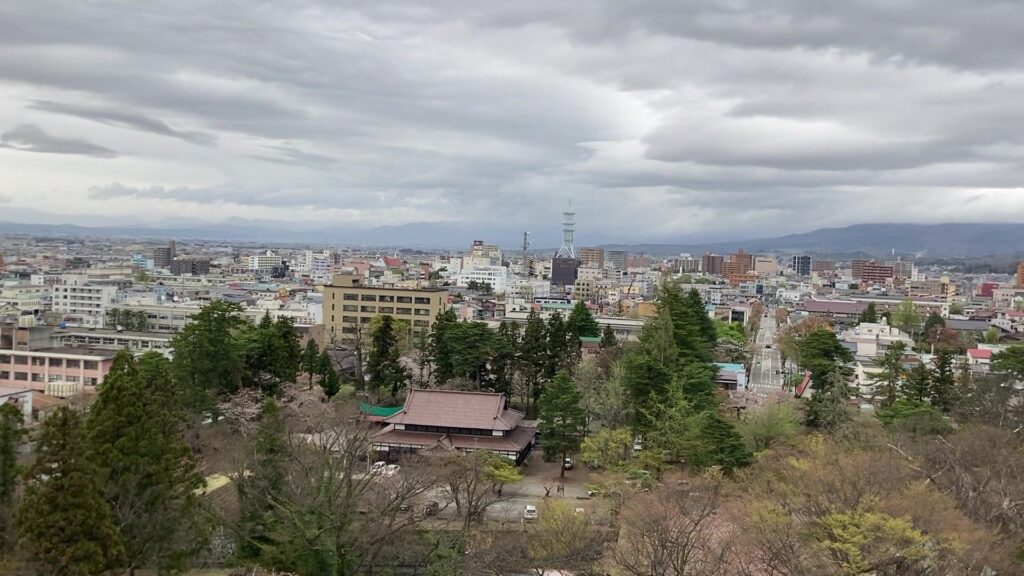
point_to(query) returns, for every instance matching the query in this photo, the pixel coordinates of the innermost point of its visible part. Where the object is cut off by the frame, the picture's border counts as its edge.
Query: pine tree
(943, 388)
(437, 349)
(310, 360)
(264, 479)
(533, 355)
(384, 366)
(892, 373)
(330, 383)
(557, 346)
(207, 357)
(870, 314)
(582, 323)
(686, 324)
(919, 383)
(562, 419)
(473, 346)
(503, 365)
(722, 445)
(66, 524)
(10, 437)
(287, 353)
(829, 407)
(145, 470)
(608, 339)
(820, 353)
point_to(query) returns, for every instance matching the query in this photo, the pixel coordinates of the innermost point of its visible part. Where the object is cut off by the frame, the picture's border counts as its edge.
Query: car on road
(378, 467)
(567, 463)
(767, 346)
(391, 469)
(530, 513)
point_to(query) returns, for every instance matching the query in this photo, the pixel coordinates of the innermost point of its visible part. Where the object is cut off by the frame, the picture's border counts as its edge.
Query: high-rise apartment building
(350, 304)
(81, 303)
(870, 271)
(592, 258)
(190, 265)
(712, 264)
(738, 263)
(802, 265)
(1020, 275)
(617, 259)
(163, 255)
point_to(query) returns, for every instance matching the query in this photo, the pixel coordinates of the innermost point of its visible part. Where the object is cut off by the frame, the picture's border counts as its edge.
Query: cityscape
(666, 289)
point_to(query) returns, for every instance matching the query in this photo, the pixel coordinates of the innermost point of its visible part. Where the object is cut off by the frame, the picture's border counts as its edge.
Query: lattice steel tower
(568, 249)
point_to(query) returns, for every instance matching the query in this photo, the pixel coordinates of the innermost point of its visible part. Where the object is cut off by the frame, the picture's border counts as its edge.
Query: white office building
(82, 304)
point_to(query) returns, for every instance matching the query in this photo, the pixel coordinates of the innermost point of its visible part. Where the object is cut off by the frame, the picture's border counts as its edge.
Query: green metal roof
(380, 411)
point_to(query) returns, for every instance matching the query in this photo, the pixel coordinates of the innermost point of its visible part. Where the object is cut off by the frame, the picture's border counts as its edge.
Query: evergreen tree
(503, 362)
(697, 385)
(384, 365)
(287, 352)
(533, 355)
(722, 445)
(646, 383)
(932, 325)
(264, 479)
(608, 339)
(869, 314)
(943, 389)
(472, 345)
(329, 380)
(705, 325)
(145, 470)
(582, 323)
(692, 329)
(63, 519)
(557, 346)
(906, 317)
(829, 407)
(10, 437)
(562, 419)
(207, 357)
(919, 384)
(820, 353)
(892, 373)
(437, 350)
(310, 360)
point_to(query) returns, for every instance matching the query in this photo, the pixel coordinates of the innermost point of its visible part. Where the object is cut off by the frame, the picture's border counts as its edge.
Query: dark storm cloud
(669, 113)
(121, 118)
(31, 138)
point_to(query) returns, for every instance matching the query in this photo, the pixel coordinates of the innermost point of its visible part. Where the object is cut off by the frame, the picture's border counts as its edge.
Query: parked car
(767, 346)
(530, 513)
(567, 464)
(378, 467)
(391, 469)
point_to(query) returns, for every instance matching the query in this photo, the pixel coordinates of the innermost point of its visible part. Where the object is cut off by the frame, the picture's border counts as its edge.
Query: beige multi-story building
(592, 258)
(349, 302)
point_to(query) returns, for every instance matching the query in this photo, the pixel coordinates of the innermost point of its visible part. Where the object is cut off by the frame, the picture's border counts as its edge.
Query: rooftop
(455, 409)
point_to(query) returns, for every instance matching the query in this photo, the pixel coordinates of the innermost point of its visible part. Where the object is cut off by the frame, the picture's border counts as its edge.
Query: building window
(405, 311)
(349, 319)
(56, 362)
(72, 379)
(350, 297)
(23, 376)
(386, 310)
(348, 330)
(422, 300)
(368, 298)
(39, 361)
(92, 365)
(5, 359)
(21, 360)
(91, 381)
(350, 308)
(37, 378)
(364, 319)
(368, 309)
(420, 323)
(5, 375)
(423, 312)
(405, 299)
(386, 298)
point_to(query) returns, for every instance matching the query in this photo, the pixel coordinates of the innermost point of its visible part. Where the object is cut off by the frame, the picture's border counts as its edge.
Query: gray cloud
(656, 116)
(31, 138)
(123, 119)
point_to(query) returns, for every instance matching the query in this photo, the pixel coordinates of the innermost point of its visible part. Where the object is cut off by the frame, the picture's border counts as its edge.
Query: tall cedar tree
(820, 353)
(562, 419)
(503, 362)
(723, 445)
(870, 314)
(532, 356)
(207, 358)
(558, 346)
(692, 328)
(310, 361)
(384, 365)
(10, 436)
(943, 390)
(146, 472)
(582, 323)
(437, 349)
(608, 339)
(918, 386)
(828, 408)
(472, 346)
(891, 373)
(264, 477)
(63, 519)
(932, 325)
(329, 380)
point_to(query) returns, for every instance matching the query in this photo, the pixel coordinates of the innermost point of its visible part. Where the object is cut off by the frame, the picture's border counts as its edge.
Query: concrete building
(564, 271)
(869, 271)
(765, 265)
(592, 258)
(190, 265)
(349, 303)
(711, 264)
(616, 259)
(801, 265)
(56, 371)
(163, 255)
(1020, 276)
(482, 255)
(264, 263)
(81, 303)
(496, 276)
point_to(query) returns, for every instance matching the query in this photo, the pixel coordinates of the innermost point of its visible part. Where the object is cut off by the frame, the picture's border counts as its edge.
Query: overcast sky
(658, 119)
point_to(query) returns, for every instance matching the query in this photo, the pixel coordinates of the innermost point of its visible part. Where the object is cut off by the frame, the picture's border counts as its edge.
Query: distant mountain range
(953, 239)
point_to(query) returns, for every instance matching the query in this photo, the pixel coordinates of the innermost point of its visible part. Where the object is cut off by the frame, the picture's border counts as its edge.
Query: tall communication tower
(568, 249)
(526, 261)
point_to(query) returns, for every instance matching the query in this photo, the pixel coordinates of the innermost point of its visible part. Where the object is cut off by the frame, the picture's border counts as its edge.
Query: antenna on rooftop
(526, 246)
(568, 249)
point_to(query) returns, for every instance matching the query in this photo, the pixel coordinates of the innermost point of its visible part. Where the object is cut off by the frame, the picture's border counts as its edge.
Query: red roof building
(451, 420)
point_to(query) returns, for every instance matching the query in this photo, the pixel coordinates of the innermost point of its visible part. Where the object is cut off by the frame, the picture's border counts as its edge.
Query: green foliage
(65, 523)
(207, 357)
(943, 389)
(829, 406)
(265, 464)
(906, 317)
(821, 352)
(330, 382)
(10, 437)
(913, 416)
(472, 344)
(932, 324)
(310, 360)
(557, 347)
(646, 382)
(731, 331)
(870, 314)
(692, 328)
(609, 448)
(146, 472)
(918, 385)
(505, 348)
(861, 542)
(132, 320)
(271, 352)
(384, 364)
(608, 339)
(438, 346)
(892, 374)
(766, 426)
(721, 445)
(562, 420)
(1010, 361)
(582, 322)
